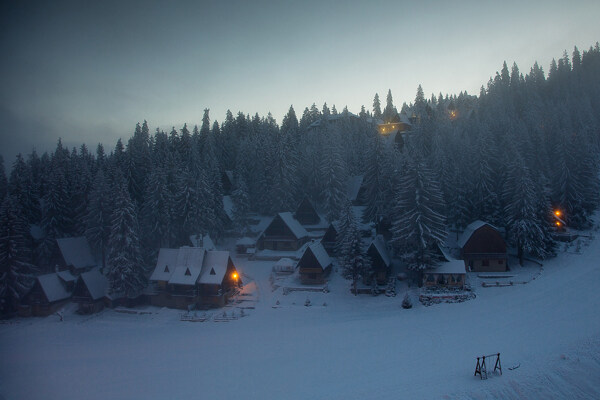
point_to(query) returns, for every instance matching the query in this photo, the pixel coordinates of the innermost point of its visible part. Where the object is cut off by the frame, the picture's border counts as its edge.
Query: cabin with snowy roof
(192, 276)
(483, 248)
(314, 265)
(49, 293)
(90, 292)
(449, 274)
(75, 255)
(381, 261)
(284, 232)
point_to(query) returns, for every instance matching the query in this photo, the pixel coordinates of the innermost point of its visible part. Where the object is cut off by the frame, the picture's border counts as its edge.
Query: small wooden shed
(483, 248)
(314, 265)
(450, 274)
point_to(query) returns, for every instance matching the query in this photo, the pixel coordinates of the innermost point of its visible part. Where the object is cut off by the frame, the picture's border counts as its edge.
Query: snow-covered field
(351, 348)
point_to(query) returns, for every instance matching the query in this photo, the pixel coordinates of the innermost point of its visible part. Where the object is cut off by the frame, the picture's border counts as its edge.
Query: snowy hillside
(351, 348)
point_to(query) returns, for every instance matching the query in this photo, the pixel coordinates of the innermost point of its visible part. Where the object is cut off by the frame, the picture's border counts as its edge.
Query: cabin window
(187, 272)
(441, 279)
(458, 279)
(430, 278)
(166, 268)
(212, 271)
(501, 262)
(312, 276)
(485, 263)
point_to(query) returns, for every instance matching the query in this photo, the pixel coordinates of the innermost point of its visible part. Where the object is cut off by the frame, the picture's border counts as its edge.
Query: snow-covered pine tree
(418, 224)
(524, 227)
(389, 113)
(190, 203)
(352, 260)
(333, 173)
(241, 205)
(56, 217)
(97, 219)
(377, 107)
(15, 258)
(378, 181)
(20, 185)
(126, 273)
(3, 181)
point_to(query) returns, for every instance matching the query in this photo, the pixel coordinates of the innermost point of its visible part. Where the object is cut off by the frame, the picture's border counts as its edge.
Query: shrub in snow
(307, 303)
(406, 302)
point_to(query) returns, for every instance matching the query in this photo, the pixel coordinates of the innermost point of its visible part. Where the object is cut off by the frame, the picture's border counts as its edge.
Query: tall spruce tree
(418, 217)
(15, 257)
(126, 273)
(97, 220)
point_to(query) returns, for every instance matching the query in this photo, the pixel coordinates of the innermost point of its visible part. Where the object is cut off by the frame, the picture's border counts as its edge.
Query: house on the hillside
(308, 217)
(449, 274)
(381, 261)
(90, 292)
(314, 265)
(191, 276)
(283, 233)
(483, 248)
(75, 255)
(284, 266)
(392, 132)
(49, 293)
(329, 240)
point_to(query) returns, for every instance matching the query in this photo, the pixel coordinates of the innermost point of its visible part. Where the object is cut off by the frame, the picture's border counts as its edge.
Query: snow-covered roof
(203, 241)
(165, 265)
(187, 266)
(185, 275)
(469, 230)
(53, 287)
(215, 267)
(76, 252)
(450, 267)
(245, 241)
(320, 254)
(96, 283)
(66, 276)
(228, 206)
(379, 245)
(353, 187)
(284, 262)
(297, 229)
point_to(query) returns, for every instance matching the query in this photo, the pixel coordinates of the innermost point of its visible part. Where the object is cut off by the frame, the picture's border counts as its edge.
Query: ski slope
(352, 348)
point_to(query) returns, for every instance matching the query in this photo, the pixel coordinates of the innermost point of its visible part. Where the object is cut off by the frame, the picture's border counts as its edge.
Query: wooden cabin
(49, 293)
(306, 213)
(75, 255)
(90, 292)
(193, 277)
(450, 274)
(283, 233)
(483, 248)
(329, 240)
(380, 260)
(314, 265)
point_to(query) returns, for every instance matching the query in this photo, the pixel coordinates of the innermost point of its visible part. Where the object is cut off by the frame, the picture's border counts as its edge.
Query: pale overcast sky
(88, 71)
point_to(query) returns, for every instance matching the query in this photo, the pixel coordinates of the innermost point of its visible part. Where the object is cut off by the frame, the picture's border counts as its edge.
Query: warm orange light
(557, 223)
(234, 275)
(557, 213)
